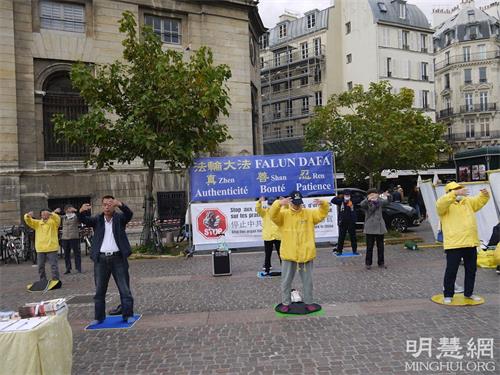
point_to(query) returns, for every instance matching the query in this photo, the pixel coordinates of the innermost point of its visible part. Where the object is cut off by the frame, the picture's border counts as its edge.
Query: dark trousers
(74, 245)
(268, 248)
(117, 266)
(343, 230)
(370, 242)
(453, 257)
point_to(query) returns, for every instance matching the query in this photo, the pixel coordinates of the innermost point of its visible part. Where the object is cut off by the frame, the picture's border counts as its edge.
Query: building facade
(349, 43)
(40, 41)
(293, 73)
(384, 40)
(467, 69)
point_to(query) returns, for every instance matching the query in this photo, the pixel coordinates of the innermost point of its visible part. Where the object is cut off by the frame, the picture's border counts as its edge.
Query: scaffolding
(291, 82)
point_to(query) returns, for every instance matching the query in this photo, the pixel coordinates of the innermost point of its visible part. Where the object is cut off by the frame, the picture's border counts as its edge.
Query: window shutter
(400, 39)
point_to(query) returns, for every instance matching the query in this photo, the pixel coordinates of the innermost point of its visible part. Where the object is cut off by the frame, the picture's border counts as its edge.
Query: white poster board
(429, 196)
(242, 226)
(494, 178)
(487, 217)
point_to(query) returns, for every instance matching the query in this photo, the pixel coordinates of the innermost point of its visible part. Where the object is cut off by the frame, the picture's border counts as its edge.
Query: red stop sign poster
(211, 223)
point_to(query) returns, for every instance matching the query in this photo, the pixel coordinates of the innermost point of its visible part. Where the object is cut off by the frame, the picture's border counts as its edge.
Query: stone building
(467, 70)
(40, 39)
(307, 59)
(292, 77)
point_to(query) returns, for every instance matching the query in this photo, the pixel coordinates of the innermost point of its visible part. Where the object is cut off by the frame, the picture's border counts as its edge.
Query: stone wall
(29, 54)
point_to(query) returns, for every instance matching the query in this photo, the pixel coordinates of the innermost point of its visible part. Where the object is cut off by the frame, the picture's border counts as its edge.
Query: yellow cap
(452, 186)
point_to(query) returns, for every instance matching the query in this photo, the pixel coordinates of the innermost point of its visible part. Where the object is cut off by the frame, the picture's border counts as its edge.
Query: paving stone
(194, 323)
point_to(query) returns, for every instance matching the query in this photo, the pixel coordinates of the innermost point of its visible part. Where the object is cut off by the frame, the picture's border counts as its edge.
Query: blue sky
(270, 10)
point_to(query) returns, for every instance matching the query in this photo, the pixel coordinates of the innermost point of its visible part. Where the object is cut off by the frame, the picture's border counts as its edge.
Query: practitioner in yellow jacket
(457, 213)
(46, 240)
(298, 245)
(270, 233)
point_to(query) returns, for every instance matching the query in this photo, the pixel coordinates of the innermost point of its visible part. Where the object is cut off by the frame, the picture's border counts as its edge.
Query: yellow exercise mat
(486, 259)
(458, 300)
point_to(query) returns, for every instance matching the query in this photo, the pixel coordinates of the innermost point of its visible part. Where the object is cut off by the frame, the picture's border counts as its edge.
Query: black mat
(298, 308)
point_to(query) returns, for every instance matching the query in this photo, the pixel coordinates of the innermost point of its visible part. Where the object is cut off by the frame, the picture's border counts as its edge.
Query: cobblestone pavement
(194, 323)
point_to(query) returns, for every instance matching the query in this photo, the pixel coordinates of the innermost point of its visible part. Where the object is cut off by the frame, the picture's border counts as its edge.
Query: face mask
(70, 215)
(459, 198)
(346, 198)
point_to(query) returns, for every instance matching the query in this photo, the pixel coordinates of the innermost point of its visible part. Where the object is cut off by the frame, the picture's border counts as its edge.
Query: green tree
(153, 105)
(373, 130)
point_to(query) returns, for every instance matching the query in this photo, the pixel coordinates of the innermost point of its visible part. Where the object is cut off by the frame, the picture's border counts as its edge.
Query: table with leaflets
(40, 345)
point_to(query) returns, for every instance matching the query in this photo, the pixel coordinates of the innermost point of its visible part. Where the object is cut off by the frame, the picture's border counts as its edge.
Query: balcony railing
(287, 114)
(290, 131)
(486, 107)
(444, 113)
(296, 57)
(480, 56)
(477, 136)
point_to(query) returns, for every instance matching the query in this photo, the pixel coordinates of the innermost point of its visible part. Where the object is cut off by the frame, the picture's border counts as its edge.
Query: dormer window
(382, 7)
(264, 41)
(282, 31)
(448, 38)
(473, 32)
(311, 20)
(402, 10)
(470, 15)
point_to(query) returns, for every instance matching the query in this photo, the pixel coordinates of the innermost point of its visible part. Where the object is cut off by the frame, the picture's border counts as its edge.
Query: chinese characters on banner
(242, 226)
(451, 354)
(244, 177)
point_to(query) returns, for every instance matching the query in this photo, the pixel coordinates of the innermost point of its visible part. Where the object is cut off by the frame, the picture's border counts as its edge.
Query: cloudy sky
(271, 9)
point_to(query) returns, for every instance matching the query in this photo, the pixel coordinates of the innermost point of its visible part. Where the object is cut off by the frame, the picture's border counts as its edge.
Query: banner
(242, 226)
(429, 196)
(494, 178)
(250, 177)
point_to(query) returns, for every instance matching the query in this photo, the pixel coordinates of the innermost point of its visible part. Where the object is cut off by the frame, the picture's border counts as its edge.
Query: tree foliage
(153, 105)
(373, 130)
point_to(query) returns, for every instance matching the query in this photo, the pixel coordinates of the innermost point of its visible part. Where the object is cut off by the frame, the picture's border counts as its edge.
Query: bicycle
(156, 235)
(86, 235)
(14, 244)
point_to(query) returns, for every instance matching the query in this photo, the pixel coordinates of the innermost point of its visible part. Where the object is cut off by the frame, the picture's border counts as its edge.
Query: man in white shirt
(110, 250)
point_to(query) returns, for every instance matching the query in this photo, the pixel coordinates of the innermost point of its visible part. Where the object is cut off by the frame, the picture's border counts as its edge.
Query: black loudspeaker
(221, 263)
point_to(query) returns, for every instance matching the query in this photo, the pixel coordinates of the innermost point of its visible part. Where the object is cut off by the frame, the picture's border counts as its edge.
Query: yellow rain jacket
(270, 231)
(46, 239)
(297, 230)
(458, 219)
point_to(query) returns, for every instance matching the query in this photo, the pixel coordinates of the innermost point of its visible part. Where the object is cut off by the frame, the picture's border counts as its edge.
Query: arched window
(61, 97)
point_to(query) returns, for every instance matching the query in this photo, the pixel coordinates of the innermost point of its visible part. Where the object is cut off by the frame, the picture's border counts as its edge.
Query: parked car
(397, 216)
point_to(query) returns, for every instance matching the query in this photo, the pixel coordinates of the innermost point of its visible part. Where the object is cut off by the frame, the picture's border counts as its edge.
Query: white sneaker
(474, 298)
(447, 300)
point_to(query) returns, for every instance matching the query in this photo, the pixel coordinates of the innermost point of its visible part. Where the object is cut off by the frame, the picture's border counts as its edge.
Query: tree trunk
(370, 181)
(148, 205)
